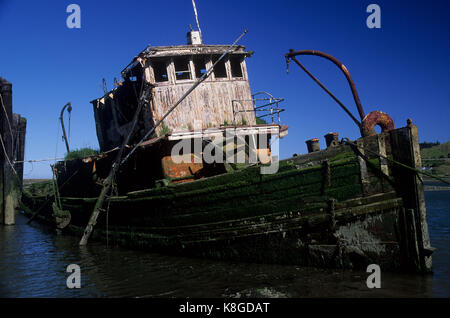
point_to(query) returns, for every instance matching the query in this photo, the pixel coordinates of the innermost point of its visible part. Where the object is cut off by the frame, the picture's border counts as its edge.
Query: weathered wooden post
(2, 153)
(405, 149)
(7, 151)
(12, 130)
(19, 133)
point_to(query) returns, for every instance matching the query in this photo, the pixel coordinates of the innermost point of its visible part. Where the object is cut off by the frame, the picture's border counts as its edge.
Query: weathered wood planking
(224, 100)
(211, 104)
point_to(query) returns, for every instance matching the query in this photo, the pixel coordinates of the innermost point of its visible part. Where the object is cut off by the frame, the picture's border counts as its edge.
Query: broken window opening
(182, 69)
(200, 66)
(236, 68)
(160, 71)
(220, 70)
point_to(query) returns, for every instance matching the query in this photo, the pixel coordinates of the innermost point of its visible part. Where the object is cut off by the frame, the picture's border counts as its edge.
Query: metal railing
(264, 105)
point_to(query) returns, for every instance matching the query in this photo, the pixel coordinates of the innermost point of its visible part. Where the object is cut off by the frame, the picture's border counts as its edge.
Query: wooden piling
(2, 153)
(19, 132)
(12, 130)
(5, 123)
(405, 149)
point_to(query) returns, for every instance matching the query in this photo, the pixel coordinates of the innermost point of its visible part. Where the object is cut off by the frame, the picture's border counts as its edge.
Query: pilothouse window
(160, 70)
(236, 69)
(200, 66)
(219, 70)
(182, 69)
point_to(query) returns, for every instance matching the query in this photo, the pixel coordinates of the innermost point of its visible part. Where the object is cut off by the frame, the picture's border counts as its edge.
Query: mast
(196, 19)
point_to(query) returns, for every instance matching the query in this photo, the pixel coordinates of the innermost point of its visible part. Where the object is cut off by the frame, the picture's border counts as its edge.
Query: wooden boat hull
(333, 208)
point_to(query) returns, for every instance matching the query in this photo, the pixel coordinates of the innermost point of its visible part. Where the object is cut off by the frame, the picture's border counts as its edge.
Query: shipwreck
(352, 204)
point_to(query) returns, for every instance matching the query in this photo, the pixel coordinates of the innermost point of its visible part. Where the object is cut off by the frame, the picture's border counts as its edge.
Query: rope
(7, 118)
(55, 189)
(29, 172)
(318, 82)
(40, 160)
(7, 157)
(1, 138)
(346, 140)
(112, 192)
(107, 224)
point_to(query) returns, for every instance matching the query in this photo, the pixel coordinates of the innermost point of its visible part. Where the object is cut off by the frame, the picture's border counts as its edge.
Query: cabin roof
(176, 50)
(154, 51)
(180, 50)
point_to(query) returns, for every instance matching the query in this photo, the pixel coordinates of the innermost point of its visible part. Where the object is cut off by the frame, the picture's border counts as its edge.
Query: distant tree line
(424, 145)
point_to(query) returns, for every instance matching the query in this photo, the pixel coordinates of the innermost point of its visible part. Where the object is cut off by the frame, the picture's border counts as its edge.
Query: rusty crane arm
(69, 109)
(291, 56)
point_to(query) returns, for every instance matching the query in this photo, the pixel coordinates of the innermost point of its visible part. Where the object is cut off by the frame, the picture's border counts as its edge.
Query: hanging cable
(6, 156)
(8, 121)
(346, 140)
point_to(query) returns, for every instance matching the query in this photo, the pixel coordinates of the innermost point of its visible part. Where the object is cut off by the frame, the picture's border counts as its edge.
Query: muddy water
(33, 263)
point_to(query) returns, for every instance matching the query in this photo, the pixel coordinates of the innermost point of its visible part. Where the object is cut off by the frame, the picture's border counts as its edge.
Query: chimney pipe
(313, 145)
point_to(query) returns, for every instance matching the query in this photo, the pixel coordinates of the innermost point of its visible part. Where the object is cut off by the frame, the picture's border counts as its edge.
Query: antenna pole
(196, 18)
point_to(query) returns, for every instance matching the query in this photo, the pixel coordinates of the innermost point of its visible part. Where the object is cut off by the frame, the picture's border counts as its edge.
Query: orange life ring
(376, 118)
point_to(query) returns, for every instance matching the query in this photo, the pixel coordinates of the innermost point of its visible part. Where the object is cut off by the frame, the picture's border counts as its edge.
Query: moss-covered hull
(333, 208)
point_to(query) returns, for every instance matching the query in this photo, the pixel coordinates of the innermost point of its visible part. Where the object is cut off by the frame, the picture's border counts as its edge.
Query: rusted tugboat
(154, 185)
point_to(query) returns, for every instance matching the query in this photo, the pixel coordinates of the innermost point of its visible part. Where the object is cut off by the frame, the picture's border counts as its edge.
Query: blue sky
(402, 68)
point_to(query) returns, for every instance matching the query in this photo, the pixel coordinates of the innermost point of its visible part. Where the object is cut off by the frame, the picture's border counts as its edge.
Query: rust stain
(185, 170)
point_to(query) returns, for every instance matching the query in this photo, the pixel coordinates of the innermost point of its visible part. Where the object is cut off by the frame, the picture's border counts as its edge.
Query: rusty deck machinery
(367, 123)
(407, 167)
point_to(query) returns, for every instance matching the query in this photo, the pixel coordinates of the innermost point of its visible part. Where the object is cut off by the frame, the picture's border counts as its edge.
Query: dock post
(5, 119)
(405, 149)
(2, 154)
(19, 131)
(10, 185)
